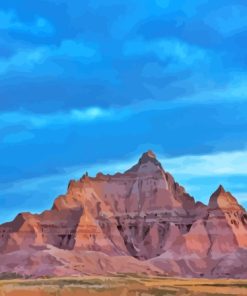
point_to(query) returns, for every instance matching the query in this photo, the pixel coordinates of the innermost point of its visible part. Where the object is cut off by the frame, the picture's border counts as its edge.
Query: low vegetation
(122, 286)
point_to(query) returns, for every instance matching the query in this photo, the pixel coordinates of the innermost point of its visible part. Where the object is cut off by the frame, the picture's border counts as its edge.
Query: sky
(91, 85)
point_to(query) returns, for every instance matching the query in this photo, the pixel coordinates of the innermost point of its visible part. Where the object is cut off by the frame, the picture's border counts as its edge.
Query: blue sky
(89, 85)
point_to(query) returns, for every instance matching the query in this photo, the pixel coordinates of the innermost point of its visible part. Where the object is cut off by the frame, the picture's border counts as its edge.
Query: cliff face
(141, 217)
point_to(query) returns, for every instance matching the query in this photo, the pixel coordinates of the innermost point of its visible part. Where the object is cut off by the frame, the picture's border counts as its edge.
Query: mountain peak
(222, 199)
(220, 190)
(147, 156)
(147, 163)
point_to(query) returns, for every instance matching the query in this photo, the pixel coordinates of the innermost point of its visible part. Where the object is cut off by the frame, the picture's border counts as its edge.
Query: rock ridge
(139, 221)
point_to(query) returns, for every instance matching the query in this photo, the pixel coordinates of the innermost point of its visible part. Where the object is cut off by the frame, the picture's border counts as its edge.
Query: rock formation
(140, 221)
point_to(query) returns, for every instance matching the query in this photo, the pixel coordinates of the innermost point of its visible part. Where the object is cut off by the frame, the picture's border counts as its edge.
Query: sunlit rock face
(215, 243)
(141, 216)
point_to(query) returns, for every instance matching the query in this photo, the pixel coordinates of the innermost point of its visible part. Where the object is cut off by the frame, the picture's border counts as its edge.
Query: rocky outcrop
(212, 241)
(141, 220)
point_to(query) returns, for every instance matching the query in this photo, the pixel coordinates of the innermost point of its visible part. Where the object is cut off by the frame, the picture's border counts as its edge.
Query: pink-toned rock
(222, 200)
(140, 221)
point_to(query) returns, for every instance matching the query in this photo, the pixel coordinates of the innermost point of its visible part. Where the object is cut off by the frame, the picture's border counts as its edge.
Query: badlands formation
(140, 222)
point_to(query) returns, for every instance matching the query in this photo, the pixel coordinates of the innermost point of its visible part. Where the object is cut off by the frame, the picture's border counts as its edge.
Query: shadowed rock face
(142, 213)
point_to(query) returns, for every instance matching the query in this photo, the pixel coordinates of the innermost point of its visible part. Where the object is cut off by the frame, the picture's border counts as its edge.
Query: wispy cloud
(202, 174)
(61, 179)
(242, 196)
(233, 93)
(32, 194)
(33, 120)
(228, 20)
(26, 59)
(235, 90)
(168, 50)
(11, 22)
(224, 163)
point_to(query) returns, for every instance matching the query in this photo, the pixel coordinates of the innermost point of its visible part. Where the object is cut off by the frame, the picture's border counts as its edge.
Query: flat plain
(122, 286)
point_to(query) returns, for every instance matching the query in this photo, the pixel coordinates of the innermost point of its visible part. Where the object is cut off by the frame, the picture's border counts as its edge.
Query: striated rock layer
(140, 221)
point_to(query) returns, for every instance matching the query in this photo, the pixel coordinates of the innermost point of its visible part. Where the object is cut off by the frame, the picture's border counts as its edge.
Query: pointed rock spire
(222, 199)
(149, 156)
(220, 189)
(148, 161)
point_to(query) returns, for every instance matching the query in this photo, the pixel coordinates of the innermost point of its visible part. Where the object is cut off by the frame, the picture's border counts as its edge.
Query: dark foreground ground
(122, 286)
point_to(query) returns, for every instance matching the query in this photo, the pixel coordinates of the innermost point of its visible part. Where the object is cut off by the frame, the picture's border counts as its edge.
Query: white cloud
(223, 163)
(36, 120)
(194, 165)
(32, 120)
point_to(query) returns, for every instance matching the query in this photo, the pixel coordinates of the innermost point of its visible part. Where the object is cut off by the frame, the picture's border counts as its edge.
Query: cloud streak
(231, 94)
(168, 50)
(224, 163)
(26, 59)
(32, 120)
(11, 22)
